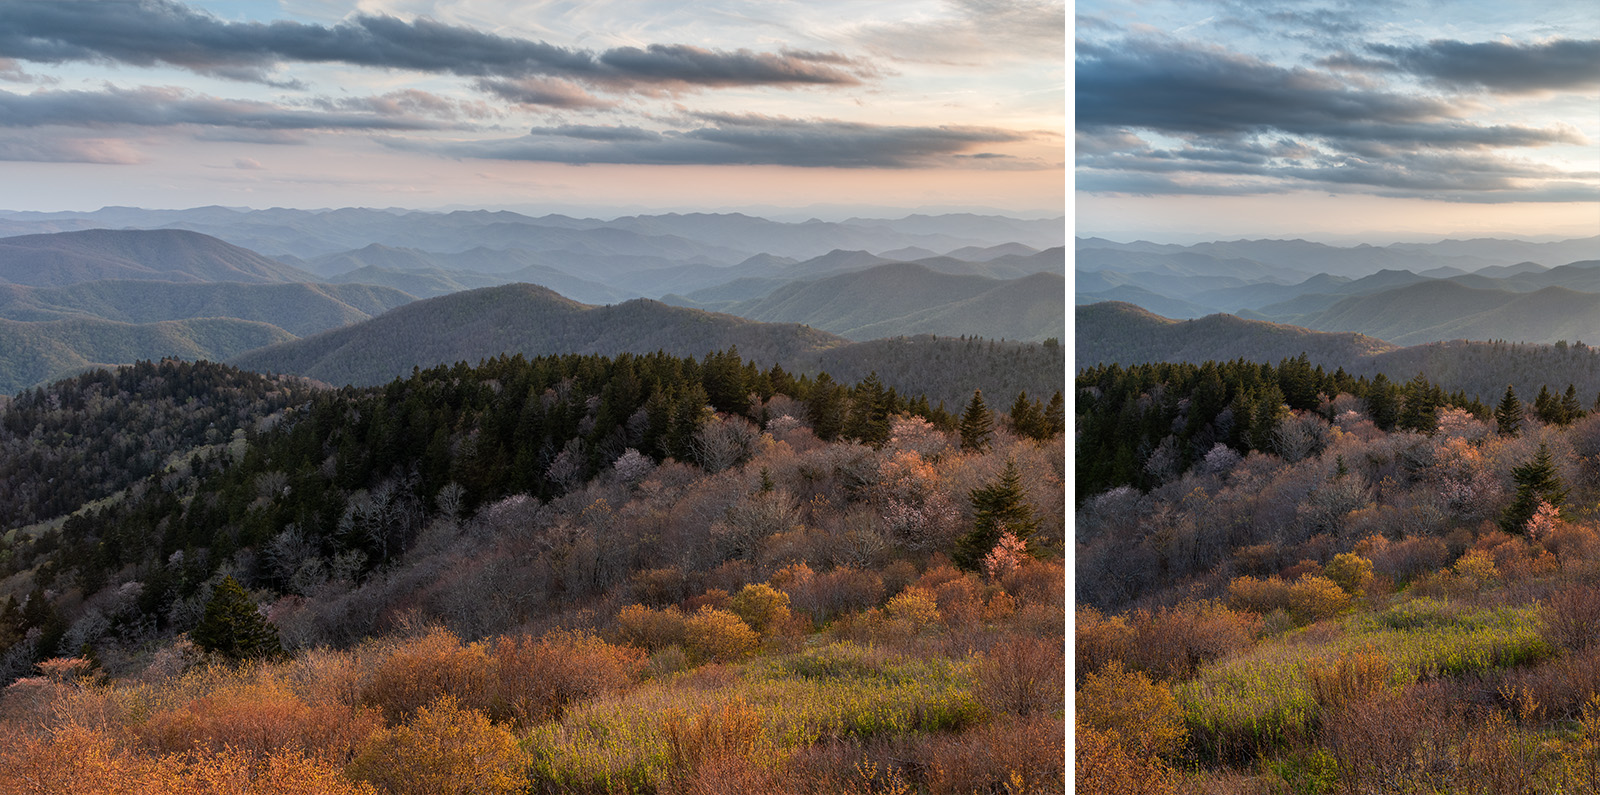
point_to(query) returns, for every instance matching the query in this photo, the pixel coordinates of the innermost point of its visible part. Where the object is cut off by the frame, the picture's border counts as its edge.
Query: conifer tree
(976, 423)
(1571, 409)
(1382, 406)
(1027, 419)
(999, 507)
(1508, 415)
(1055, 414)
(233, 627)
(1547, 407)
(1537, 481)
(1420, 413)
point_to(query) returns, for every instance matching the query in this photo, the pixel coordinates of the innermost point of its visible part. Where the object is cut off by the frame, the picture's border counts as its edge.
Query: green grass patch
(1259, 704)
(841, 691)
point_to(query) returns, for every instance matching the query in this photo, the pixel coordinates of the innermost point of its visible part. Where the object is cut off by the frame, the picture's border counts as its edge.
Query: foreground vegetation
(1390, 591)
(573, 574)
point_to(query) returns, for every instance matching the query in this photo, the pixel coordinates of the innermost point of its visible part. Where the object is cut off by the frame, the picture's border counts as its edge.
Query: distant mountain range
(899, 299)
(171, 255)
(116, 281)
(1119, 333)
(1485, 289)
(37, 352)
(531, 320)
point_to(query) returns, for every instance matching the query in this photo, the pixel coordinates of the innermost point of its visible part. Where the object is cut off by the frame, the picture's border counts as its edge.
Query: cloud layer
(1283, 108)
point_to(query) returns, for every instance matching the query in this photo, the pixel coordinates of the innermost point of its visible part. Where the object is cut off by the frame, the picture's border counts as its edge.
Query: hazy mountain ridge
(297, 308)
(56, 260)
(33, 353)
(898, 299)
(1126, 334)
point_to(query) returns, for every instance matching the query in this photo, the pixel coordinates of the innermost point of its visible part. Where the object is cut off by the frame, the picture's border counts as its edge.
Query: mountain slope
(1124, 333)
(173, 255)
(522, 318)
(299, 309)
(907, 298)
(34, 353)
(1442, 310)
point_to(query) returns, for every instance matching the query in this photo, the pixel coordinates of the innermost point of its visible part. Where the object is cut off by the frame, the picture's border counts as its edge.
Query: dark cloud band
(150, 32)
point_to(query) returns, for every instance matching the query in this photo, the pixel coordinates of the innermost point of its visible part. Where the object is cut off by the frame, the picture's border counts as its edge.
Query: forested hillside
(1315, 582)
(576, 573)
(32, 352)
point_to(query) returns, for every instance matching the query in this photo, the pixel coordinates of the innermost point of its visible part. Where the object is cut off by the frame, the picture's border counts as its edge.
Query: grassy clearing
(840, 691)
(1261, 703)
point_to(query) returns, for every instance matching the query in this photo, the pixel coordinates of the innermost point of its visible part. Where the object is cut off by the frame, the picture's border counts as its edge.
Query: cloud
(411, 102)
(51, 146)
(974, 31)
(248, 164)
(1504, 67)
(150, 32)
(1192, 89)
(165, 107)
(550, 92)
(730, 139)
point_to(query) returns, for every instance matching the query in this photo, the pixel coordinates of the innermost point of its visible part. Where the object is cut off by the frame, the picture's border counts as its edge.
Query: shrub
(420, 670)
(718, 745)
(1258, 596)
(916, 607)
(444, 748)
(1351, 572)
(649, 628)
(1014, 756)
(761, 606)
(1572, 617)
(1021, 676)
(716, 635)
(1315, 597)
(536, 679)
(1353, 677)
(1140, 715)
(1103, 764)
(258, 718)
(1172, 643)
(1099, 639)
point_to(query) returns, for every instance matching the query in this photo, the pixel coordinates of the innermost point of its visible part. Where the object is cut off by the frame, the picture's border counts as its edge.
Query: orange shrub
(1173, 642)
(1026, 755)
(420, 670)
(1572, 617)
(649, 628)
(1350, 571)
(1099, 639)
(916, 607)
(1258, 596)
(1103, 764)
(536, 679)
(718, 746)
(714, 634)
(1315, 597)
(761, 606)
(259, 718)
(283, 772)
(1140, 715)
(960, 601)
(444, 748)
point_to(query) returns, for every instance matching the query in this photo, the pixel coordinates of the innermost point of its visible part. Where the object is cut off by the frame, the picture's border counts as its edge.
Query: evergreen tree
(998, 507)
(976, 423)
(1571, 409)
(1055, 414)
(233, 627)
(1382, 405)
(1027, 419)
(1420, 413)
(1547, 407)
(1537, 481)
(1508, 415)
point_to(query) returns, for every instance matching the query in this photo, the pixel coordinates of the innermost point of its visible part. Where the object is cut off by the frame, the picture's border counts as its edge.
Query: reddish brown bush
(1099, 639)
(660, 587)
(1022, 756)
(536, 679)
(443, 748)
(1172, 643)
(1022, 676)
(420, 670)
(1572, 617)
(258, 719)
(648, 628)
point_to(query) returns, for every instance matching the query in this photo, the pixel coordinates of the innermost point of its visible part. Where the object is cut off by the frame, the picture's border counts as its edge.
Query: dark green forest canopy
(1179, 412)
(352, 475)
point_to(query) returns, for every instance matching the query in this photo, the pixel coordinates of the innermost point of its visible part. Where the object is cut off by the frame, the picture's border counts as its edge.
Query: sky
(1336, 119)
(550, 104)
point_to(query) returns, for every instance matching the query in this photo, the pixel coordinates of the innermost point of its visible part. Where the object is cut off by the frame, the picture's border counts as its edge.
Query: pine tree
(999, 507)
(1420, 413)
(1571, 409)
(233, 627)
(1547, 407)
(1055, 414)
(1382, 406)
(1508, 415)
(976, 423)
(1537, 481)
